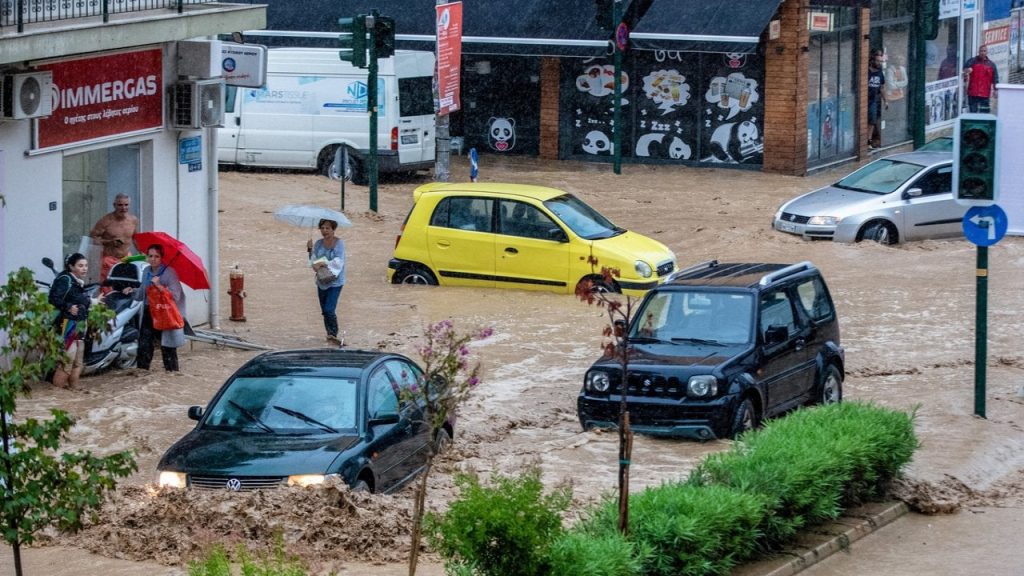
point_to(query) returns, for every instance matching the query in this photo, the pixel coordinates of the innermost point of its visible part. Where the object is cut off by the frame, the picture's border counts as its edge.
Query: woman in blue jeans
(327, 258)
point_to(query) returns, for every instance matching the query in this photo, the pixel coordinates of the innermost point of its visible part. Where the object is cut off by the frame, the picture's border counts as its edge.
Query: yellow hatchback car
(519, 236)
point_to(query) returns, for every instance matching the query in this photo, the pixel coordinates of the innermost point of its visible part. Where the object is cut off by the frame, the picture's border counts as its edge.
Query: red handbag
(163, 309)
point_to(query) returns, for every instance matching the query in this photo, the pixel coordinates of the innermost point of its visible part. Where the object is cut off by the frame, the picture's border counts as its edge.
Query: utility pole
(442, 127)
(621, 32)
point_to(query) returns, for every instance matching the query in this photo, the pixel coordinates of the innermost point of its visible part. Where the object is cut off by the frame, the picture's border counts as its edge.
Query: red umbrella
(177, 255)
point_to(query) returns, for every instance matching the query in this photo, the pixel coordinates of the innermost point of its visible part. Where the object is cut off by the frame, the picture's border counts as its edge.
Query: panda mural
(666, 123)
(732, 109)
(501, 134)
(592, 104)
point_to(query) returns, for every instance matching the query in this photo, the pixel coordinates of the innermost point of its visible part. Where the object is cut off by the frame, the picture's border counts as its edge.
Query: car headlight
(643, 269)
(171, 479)
(598, 381)
(701, 386)
(824, 221)
(305, 480)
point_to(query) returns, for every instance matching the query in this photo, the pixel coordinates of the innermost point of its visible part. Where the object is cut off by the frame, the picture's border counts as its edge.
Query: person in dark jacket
(68, 296)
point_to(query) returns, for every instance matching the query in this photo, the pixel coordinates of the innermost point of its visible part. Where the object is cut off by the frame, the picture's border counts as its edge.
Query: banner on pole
(449, 56)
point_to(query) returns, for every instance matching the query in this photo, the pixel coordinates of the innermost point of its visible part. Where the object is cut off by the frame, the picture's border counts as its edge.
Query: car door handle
(444, 243)
(511, 250)
(238, 120)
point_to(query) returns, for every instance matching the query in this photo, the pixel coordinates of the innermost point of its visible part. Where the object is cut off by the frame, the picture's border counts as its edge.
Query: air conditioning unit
(197, 103)
(27, 95)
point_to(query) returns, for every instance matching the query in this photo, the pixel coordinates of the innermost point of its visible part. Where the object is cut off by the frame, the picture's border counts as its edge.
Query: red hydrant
(237, 293)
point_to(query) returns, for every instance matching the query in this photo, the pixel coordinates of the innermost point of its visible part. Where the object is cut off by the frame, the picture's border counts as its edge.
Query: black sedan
(298, 417)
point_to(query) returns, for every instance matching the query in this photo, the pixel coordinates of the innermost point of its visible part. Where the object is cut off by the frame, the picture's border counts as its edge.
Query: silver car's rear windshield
(880, 177)
(581, 218)
(286, 404)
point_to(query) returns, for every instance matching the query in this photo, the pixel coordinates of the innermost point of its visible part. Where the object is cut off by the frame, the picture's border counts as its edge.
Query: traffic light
(929, 19)
(974, 169)
(353, 40)
(384, 27)
(603, 14)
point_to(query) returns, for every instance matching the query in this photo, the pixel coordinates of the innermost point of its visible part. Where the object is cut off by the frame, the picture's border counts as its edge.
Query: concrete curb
(826, 540)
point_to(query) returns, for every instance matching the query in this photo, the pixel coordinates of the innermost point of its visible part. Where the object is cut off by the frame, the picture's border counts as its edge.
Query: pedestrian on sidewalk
(164, 278)
(876, 98)
(981, 76)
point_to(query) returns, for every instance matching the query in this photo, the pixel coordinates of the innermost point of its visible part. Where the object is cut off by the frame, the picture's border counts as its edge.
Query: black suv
(719, 347)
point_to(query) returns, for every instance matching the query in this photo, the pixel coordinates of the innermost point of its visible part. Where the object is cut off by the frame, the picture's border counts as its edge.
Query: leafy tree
(449, 376)
(41, 485)
(596, 291)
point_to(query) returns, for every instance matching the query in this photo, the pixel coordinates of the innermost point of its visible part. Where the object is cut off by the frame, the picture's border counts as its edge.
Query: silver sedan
(894, 199)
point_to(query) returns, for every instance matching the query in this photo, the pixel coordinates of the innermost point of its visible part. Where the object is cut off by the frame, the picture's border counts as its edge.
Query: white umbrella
(308, 216)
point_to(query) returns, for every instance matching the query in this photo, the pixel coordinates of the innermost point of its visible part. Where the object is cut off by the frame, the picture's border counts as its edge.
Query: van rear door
(416, 120)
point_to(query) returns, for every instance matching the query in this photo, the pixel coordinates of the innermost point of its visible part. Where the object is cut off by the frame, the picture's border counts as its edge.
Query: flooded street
(906, 314)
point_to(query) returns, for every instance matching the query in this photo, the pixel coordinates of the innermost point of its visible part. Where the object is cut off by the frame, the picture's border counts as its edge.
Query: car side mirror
(195, 412)
(912, 193)
(382, 419)
(776, 335)
(620, 328)
(557, 234)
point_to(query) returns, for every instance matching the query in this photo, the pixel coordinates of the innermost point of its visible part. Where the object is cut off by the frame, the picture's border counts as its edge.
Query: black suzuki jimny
(717, 348)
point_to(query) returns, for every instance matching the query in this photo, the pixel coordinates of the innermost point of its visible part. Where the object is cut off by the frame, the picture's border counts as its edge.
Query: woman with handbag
(163, 311)
(327, 258)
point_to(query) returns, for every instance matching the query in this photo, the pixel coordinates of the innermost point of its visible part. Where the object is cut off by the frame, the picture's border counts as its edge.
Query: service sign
(105, 96)
(243, 64)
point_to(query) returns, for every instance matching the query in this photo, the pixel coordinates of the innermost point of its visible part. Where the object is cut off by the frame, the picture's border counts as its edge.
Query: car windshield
(880, 177)
(695, 316)
(286, 404)
(581, 218)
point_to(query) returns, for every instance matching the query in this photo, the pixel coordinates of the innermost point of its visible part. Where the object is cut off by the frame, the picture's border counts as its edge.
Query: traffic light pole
(980, 331)
(371, 105)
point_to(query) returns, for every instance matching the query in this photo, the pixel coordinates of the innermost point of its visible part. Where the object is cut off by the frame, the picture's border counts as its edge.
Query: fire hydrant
(237, 293)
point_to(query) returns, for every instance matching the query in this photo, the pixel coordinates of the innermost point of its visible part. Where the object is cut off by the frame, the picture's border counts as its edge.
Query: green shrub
(810, 465)
(585, 554)
(501, 530)
(214, 564)
(275, 563)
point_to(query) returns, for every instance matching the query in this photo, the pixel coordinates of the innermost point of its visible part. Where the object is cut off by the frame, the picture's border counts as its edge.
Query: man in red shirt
(981, 76)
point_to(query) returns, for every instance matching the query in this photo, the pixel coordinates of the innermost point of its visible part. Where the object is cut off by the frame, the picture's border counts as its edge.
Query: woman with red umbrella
(164, 278)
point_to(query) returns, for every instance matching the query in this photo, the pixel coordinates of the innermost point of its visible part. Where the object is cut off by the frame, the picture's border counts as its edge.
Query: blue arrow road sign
(985, 225)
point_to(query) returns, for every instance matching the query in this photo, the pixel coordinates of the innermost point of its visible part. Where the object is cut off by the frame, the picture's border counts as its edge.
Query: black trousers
(147, 336)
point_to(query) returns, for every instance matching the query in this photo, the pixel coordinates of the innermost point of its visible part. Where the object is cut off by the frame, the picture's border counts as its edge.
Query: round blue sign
(229, 64)
(985, 225)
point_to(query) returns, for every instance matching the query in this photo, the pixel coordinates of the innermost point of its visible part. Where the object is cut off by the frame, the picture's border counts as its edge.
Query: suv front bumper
(686, 418)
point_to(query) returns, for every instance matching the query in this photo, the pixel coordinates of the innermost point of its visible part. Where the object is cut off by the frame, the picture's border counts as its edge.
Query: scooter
(119, 346)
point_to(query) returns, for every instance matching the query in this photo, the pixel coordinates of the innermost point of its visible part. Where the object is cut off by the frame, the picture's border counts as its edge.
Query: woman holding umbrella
(164, 278)
(327, 257)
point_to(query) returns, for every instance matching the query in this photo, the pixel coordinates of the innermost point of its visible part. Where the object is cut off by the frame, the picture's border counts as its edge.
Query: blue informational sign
(985, 225)
(474, 167)
(190, 150)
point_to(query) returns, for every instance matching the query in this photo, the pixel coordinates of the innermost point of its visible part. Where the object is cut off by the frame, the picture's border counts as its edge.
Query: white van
(314, 102)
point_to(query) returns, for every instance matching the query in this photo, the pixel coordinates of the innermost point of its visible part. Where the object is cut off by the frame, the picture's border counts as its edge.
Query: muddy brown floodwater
(906, 313)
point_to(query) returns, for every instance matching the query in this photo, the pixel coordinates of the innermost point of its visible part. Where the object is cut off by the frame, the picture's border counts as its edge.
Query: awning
(545, 27)
(695, 26)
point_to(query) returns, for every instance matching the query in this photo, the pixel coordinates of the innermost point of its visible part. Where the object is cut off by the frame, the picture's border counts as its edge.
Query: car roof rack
(787, 271)
(691, 269)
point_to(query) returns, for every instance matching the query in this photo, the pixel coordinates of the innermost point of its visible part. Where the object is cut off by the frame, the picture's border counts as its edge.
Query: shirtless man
(114, 232)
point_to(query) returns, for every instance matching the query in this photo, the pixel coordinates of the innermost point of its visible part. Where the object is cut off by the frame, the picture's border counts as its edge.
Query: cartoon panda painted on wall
(597, 143)
(735, 142)
(501, 134)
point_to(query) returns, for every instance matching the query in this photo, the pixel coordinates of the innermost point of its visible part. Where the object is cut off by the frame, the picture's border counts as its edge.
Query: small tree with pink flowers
(450, 374)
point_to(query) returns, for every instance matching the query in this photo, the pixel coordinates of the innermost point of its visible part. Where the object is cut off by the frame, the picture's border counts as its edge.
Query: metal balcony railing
(21, 12)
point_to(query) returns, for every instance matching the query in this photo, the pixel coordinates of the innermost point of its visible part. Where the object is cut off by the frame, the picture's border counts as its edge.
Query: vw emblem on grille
(233, 484)
(792, 217)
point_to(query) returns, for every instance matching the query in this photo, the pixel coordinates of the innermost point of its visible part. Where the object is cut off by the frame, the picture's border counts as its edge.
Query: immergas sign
(95, 98)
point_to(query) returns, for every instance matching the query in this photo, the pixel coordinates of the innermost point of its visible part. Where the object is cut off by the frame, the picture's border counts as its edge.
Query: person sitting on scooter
(68, 296)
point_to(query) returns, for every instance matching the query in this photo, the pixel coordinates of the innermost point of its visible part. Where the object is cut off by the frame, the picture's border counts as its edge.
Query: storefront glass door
(91, 181)
(831, 96)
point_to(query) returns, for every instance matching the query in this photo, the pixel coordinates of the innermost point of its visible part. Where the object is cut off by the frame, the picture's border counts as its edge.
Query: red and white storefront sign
(96, 98)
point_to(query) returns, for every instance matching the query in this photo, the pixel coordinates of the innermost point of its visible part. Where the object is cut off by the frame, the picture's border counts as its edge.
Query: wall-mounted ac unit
(197, 103)
(27, 95)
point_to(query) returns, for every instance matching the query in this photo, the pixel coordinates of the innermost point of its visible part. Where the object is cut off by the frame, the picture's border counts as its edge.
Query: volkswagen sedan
(298, 417)
(894, 199)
